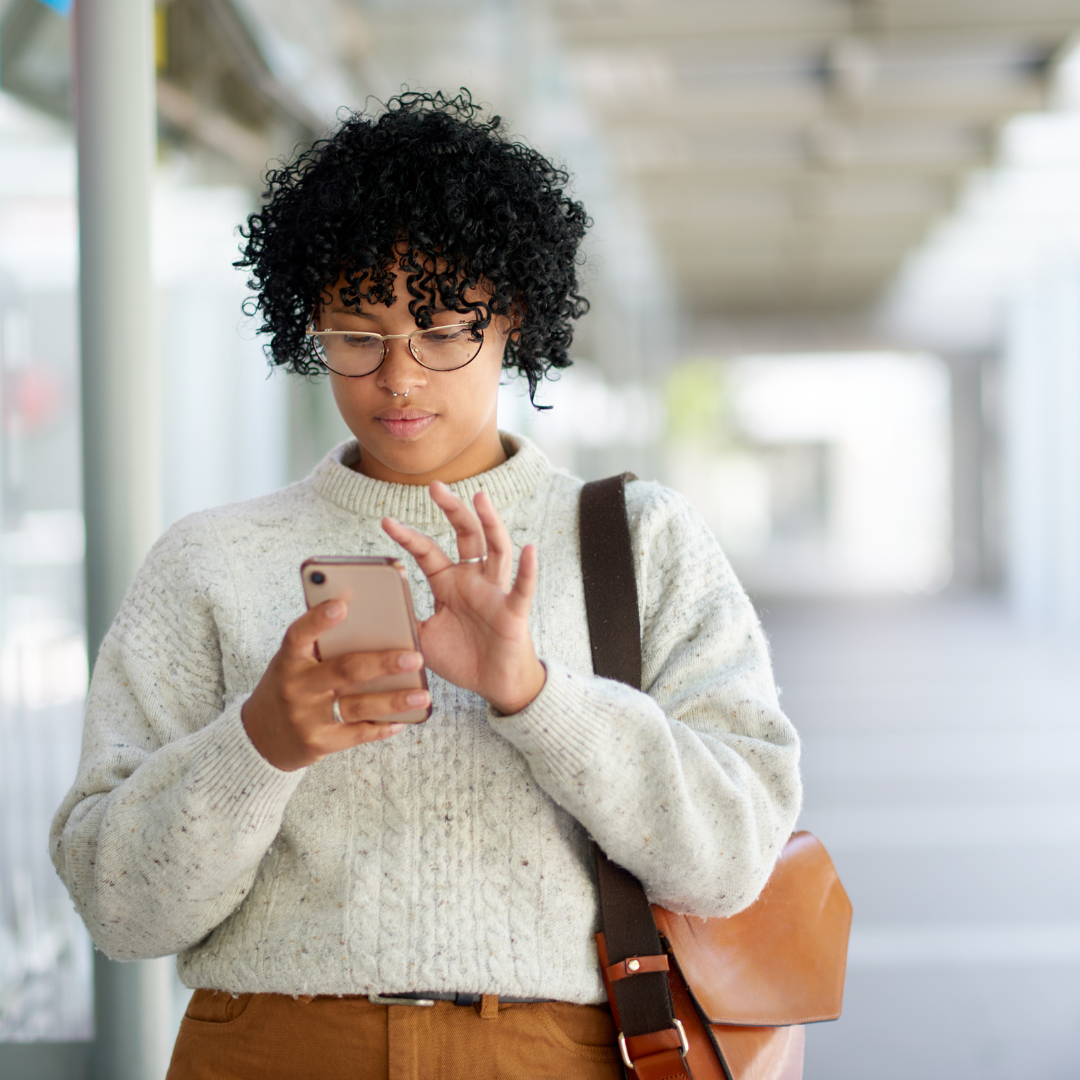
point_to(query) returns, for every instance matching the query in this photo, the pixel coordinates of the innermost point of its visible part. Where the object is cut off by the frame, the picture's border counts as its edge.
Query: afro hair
(433, 187)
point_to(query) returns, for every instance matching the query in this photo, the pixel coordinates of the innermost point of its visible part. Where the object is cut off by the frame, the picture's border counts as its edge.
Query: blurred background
(835, 286)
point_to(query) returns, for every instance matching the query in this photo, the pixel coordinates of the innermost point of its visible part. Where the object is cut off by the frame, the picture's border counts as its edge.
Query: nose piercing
(393, 393)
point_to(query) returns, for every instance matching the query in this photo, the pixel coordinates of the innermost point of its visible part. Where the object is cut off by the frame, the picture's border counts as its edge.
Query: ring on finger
(336, 710)
(474, 559)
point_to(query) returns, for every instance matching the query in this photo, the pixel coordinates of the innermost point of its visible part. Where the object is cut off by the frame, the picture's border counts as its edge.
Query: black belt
(429, 997)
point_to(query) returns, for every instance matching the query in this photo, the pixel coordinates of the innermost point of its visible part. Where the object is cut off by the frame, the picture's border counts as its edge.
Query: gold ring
(474, 559)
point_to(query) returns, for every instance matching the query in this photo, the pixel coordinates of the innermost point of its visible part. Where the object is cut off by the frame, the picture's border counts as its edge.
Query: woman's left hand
(478, 638)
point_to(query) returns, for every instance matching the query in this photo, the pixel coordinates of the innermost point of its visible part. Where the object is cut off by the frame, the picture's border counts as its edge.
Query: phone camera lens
(318, 577)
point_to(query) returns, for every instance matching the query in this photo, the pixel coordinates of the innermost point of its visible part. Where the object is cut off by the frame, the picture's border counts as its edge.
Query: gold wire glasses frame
(356, 353)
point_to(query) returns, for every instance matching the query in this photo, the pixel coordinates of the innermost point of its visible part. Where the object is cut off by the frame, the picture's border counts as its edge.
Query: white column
(1065, 425)
(114, 106)
(1042, 449)
(1026, 465)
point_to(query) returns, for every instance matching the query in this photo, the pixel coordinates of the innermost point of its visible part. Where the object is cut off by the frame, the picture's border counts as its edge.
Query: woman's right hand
(289, 716)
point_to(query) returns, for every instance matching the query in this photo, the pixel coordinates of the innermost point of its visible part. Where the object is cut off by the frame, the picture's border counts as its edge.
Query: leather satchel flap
(781, 960)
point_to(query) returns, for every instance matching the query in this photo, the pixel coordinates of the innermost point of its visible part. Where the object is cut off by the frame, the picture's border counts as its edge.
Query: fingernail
(417, 697)
(395, 728)
(335, 609)
(410, 661)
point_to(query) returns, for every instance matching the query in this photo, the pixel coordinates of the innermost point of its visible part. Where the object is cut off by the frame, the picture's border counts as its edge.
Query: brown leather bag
(711, 999)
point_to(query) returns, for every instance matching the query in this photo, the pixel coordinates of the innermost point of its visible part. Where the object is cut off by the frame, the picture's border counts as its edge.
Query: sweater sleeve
(693, 785)
(172, 808)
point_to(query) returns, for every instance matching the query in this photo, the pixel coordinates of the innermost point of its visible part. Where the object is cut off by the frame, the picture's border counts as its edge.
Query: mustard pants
(271, 1036)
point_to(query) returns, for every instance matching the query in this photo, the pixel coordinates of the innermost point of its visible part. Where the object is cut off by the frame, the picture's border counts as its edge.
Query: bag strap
(607, 568)
(643, 1003)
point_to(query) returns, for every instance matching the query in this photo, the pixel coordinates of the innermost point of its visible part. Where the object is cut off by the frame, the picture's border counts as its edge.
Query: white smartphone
(380, 616)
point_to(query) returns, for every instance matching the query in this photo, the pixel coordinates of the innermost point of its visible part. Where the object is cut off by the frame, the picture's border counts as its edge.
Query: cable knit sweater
(455, 855)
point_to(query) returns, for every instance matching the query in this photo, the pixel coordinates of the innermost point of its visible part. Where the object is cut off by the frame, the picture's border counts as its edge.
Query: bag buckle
(682, 1038)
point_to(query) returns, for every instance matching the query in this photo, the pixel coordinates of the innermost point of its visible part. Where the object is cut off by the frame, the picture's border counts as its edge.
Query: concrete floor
(942, 766)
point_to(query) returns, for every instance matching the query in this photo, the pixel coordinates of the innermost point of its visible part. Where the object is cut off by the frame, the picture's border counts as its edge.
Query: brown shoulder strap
(611, 606)
(607, 567)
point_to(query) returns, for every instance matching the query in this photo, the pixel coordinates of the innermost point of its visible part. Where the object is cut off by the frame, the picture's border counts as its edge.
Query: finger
(363, 731)
(360, 667)
(500, 550)
(357, 707)
(300, 638)
(520, 597)
(470, 536)
(428, 555)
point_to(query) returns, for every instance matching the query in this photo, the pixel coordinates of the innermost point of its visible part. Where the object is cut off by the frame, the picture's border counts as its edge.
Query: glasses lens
(349, 354)
(443, 348)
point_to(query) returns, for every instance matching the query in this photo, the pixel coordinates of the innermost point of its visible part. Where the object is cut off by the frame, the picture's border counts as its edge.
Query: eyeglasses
(355, 353)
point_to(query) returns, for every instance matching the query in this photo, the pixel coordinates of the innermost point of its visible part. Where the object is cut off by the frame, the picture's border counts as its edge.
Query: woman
(316, 869)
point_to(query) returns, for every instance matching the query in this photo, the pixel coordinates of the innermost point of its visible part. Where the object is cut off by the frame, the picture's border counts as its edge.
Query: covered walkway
(942, 763)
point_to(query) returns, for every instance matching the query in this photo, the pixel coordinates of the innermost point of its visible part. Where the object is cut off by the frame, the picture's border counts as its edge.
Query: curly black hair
(432, 186)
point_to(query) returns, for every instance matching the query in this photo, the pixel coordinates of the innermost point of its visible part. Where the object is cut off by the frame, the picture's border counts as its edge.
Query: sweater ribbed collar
(519, 475)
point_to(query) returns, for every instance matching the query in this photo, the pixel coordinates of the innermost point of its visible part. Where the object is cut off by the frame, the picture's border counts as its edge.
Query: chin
(410, 457)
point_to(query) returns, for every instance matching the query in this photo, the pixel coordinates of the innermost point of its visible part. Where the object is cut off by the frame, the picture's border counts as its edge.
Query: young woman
(240, 804)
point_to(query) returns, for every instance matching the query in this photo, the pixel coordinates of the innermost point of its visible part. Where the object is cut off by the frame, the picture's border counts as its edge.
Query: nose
(400, 373)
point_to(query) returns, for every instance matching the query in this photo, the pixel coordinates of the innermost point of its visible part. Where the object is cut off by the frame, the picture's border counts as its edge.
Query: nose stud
(393, 393)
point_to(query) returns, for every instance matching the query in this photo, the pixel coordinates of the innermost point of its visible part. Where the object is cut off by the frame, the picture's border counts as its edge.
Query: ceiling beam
(793, 168)
(741, 111)
(820, 200)
(893, 233)
(658, 24)
(210, 128)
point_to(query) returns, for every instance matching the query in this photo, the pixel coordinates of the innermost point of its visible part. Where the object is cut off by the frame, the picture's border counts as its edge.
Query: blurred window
(45, 954)
(798, 490)
(819, 473)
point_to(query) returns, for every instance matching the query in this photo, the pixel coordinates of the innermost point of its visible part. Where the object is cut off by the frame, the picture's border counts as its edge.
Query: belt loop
(489, 1006)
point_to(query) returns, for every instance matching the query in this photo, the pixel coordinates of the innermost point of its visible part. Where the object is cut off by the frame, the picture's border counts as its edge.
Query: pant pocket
(557, 1041)
(584, 1026)
(216, 1006)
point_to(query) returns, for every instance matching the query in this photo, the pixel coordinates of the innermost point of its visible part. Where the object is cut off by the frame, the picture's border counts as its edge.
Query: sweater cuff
(561, 729)
(229, 776)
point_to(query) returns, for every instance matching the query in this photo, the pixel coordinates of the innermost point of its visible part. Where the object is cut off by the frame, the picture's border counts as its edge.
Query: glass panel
(45, 955)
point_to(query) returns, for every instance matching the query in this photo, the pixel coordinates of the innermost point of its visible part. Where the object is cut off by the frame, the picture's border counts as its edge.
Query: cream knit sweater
(454, 856)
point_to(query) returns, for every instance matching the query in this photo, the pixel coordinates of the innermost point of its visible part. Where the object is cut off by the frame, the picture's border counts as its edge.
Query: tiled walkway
(942, 765)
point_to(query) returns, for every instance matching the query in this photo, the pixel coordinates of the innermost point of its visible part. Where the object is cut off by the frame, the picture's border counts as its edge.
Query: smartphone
(380, 617)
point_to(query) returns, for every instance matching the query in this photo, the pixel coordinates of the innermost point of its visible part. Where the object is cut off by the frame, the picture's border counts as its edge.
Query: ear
(508, 323)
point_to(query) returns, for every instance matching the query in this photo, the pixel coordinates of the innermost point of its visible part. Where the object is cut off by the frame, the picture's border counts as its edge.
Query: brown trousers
(272, 1036)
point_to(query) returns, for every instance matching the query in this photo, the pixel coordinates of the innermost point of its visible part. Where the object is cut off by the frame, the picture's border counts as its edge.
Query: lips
(405, 423)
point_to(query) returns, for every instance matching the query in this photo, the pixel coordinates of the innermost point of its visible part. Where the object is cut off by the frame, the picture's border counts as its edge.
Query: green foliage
(698, 403)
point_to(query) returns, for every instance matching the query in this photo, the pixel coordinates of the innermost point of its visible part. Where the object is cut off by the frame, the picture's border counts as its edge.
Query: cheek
(350, 395)
(471, 400)
(468, 404)
(491, 357)
(485, 383)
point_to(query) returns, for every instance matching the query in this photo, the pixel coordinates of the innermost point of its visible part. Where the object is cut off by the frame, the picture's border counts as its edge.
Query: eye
(358, 341)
